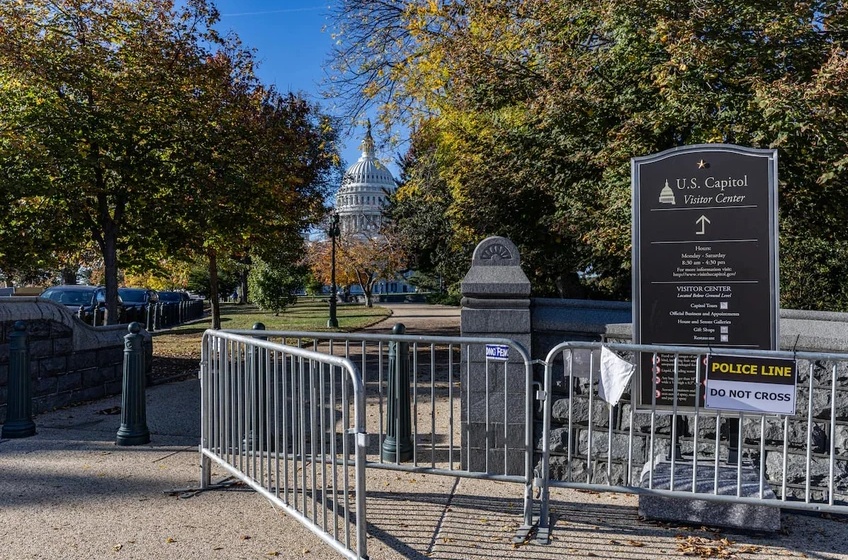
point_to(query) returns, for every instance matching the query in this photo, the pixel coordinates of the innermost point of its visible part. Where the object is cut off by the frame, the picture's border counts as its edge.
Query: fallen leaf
(170, 540)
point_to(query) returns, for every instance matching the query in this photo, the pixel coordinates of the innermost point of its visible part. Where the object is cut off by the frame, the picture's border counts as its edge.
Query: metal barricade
(289, 423)
(446, 440)
(799, 461)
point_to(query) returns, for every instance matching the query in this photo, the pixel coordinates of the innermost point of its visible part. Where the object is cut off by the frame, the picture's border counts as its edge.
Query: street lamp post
(333, 232)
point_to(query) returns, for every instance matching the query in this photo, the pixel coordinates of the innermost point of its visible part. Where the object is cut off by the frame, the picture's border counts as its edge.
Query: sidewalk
(69, 492)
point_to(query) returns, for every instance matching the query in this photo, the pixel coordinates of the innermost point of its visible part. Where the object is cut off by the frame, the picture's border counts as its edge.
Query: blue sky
(292, 42)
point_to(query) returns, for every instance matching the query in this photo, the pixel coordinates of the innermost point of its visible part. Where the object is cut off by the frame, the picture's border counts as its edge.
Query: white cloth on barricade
(615, 375)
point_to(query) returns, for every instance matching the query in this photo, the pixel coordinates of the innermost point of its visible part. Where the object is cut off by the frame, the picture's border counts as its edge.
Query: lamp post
(333, 232)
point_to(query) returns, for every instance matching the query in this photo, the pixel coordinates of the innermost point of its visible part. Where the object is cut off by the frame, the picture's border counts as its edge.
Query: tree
(264, 173)
(418, 215)
(368, 258)
(536, 108)
(104, 89)
(150, 134)
(272, 284)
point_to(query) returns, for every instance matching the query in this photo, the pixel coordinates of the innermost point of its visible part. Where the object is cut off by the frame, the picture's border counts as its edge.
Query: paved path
(420, 318)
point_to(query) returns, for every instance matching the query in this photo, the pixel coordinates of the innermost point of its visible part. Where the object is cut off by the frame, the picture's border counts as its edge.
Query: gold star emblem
(702, 164)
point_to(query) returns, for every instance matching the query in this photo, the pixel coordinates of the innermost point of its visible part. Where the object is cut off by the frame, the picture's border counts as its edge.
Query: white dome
(367, 170)
(362, 196)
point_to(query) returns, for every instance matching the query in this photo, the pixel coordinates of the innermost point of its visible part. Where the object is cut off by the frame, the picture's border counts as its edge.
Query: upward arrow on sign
(702, 221)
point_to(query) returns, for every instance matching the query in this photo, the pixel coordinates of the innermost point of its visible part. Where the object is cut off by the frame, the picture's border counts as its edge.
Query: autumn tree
(150, 135)
(362, 258)
(103, 88)
(370, 257)
(537, 107)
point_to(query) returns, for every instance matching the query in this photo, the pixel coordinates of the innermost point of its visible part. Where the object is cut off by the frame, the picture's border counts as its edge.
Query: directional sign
(703, 221)
(704, 258)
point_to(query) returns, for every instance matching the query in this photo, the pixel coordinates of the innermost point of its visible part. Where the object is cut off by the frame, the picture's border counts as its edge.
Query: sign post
(705, 269)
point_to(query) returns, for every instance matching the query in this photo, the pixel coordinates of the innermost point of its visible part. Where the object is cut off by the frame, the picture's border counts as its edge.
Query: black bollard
(19, 422)
(133, 430)
(397, 446)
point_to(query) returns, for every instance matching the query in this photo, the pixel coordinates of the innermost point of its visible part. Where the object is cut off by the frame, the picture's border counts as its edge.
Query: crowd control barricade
(290, 424)
(477, 425)
(788, 460)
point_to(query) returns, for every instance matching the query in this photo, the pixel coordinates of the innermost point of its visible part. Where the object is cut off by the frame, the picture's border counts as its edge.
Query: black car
(88, 301)
(136, 301)
(173, 297)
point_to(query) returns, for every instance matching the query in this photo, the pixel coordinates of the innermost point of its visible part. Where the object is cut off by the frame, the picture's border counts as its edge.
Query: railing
(440, 405)
(289, 423)
(788, 461)
(445, 435)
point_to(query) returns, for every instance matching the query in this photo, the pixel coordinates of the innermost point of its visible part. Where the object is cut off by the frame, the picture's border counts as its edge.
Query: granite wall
(70, 361)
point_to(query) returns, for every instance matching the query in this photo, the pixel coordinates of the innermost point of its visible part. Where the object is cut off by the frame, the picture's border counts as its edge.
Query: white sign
(497, 352)
(751, 384)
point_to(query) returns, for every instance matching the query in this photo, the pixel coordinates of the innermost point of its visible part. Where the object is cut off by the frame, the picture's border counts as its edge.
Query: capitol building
(360, 201)
(362, 195)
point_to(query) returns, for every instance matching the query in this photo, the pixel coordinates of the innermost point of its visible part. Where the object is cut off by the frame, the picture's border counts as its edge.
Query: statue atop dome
(367, 145)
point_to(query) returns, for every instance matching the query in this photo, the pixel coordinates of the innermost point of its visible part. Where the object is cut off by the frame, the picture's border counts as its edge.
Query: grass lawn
(177, 351)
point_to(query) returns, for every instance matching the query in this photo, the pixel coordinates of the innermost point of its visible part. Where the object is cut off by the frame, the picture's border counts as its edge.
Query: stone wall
(70, 362)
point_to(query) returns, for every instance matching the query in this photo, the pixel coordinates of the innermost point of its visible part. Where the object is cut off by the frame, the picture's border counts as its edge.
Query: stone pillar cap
(496, 271)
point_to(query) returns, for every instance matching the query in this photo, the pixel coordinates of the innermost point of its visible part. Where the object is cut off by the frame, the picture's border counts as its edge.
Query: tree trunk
(243, 291)
(213, 289)
(69, 277)
(368, 290)
(110, 265)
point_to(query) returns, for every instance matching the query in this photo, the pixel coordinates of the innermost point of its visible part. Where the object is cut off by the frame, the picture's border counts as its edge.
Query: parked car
(87, 301)
(136, 301)
(173, 297)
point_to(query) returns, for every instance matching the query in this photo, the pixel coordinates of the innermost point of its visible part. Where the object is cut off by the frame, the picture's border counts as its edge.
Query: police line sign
(751, 384)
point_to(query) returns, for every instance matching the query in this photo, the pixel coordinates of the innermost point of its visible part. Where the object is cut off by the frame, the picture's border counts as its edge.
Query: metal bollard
(19, 422)
(397, 446)
(133, 430)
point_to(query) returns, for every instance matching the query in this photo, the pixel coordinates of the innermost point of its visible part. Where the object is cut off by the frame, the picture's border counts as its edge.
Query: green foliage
(198, 279)
(272, 285)
(150, 136)
(527, 114)
(418, 217)
(312, 285)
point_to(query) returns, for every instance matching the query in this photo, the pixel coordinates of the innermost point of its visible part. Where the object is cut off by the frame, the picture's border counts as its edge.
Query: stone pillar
(495, 304)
